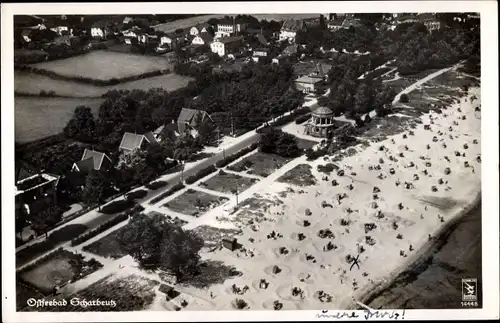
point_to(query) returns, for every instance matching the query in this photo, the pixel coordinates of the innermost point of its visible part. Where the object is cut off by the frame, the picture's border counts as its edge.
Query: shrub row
(302, 119)
(57, 237)
(105, 226)
(89, 80)
(229, 159)
(117, 206)
(156, 185)
(168, 192)
(202, 173)
(139, 194)
(315, 154)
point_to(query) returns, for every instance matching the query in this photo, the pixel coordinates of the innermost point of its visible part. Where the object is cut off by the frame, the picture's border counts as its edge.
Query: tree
(287, 145)
(46, 219)
(82, 125)
(156, 156)
(404, 98)
(96, 186)
(156, 242)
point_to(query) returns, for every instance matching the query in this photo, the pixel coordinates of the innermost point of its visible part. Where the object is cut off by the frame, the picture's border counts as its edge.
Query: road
(436, 283)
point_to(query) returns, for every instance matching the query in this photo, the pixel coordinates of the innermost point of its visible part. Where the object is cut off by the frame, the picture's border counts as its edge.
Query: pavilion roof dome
(322, 111)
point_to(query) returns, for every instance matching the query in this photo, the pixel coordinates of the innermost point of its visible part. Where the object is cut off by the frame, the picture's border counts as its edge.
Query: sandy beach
(396, 195)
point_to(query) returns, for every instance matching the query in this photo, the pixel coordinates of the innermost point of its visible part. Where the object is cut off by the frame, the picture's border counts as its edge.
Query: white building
(226, 45)
(101, 29)
(203, 39)
(290, 28)
(199, 29)
(228, 28)
(62, 30)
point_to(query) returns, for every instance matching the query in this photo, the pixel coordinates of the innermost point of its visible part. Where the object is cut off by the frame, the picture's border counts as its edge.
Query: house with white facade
(202, 39)
(226, 28)
(290, 28)
(226, 45)
(430, 21)
(199, 29)
(101, 29)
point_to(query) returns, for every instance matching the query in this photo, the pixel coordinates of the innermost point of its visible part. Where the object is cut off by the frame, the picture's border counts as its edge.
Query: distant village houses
(101, 29)
(229, 27)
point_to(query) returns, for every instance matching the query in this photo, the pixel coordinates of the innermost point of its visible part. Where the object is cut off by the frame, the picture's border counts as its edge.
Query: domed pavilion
(321, 123)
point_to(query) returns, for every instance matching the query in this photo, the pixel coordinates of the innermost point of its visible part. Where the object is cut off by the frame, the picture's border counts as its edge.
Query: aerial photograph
(228, 162)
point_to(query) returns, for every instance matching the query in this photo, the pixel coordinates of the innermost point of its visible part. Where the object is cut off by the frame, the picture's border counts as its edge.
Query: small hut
(230, 244)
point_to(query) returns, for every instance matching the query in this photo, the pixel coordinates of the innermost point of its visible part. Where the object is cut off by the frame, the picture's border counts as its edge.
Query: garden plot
(228, 183)
(260, 164)
(300, 175)
(104, 65)
(59, 268)
(108, 246)
(213, 236)
(194, 202)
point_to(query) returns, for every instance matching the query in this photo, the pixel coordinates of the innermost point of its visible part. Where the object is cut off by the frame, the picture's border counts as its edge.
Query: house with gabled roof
(132, 141)
(190, 119)
(101, 29)
(290, 28)
(202, 39)
(92, 160)
(226, 45)
(199, 29)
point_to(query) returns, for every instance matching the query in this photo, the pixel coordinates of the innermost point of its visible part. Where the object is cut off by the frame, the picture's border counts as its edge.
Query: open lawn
(299, 175)
(107, 246)
(194, 202)
(105, 65)
(37, 118)
(60, 268)
(227, 182)
(31, 83)
(260, 164)
(453, 79)
(171, 26)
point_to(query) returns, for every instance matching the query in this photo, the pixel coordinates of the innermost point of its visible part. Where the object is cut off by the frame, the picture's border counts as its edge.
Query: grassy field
(226, 182)
(300, 175)
(104, 65)
(30, 83)
(260, 164)
(194, 202)
(36, 117)
(191, 21)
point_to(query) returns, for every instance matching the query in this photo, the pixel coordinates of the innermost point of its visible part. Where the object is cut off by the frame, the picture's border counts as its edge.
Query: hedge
(105, 226)
(57, 237)
(156, 185)
(202, 173)
(117, 206)
(302, 119)
(89, 80)
(139, 194)
(288, 118)
(168, 192)
(229, 159)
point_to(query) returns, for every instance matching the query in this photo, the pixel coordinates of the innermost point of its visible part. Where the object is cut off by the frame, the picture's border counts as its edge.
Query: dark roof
(227, 40)
(91, 159)
(322, 111)
(201, 26)
(131, 141)
(349, 22)
(207, 38)
(149, 136)
(102, 24)
(323, 69)
(262, 39)
(336, 22)
(426, 16)
(261, 50)
(189, 116)
(293, 25)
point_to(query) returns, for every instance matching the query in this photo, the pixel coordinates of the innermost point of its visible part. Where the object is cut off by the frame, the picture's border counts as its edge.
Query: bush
(57, 237)
(169, 192)
(328, 168)
(315, 154)
(117, 206)
(202, 173)
(105, 226)
(136, 195)
(302, 119)
(229, 159)
(404, 98)
(156, 185)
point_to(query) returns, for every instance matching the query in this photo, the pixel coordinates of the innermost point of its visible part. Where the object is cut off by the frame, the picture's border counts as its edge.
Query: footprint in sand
(308, 278)
(278, 304)
(277, 270)
(289, 292)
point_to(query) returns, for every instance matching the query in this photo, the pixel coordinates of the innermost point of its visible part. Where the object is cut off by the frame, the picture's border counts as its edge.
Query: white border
(489, 98)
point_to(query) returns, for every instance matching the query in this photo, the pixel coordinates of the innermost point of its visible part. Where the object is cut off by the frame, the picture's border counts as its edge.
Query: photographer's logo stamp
(469, 289)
